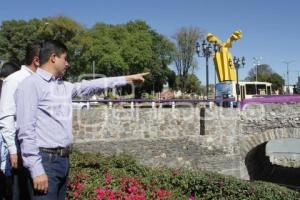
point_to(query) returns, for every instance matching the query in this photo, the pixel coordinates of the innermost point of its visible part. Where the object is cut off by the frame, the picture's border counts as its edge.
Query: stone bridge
(225, 140)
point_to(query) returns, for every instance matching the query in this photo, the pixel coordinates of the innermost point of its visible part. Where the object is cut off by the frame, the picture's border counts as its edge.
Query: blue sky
(270, 27)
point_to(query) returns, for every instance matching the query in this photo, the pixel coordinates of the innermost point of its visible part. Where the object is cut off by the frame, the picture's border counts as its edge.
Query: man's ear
(36, 61)
(53, 58)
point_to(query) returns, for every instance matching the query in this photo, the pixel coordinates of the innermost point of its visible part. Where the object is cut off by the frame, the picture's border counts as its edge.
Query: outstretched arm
(236, 35)
(213, 39)
(89, 87)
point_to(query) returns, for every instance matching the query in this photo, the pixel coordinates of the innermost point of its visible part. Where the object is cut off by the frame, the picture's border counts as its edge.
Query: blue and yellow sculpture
(223, 58)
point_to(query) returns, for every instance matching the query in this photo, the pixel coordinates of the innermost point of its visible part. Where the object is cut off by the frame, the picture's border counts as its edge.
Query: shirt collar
(24, 67)
(45, 75)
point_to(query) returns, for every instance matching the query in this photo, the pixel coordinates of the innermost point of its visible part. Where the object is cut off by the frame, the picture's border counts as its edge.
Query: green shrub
(121, 177)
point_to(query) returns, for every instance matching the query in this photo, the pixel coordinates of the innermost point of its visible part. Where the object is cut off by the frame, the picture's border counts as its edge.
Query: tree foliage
(193, 84)
(116, 49)
(14, 37)
(266, 74)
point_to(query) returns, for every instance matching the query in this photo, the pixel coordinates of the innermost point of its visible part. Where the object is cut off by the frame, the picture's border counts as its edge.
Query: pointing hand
(136, 78)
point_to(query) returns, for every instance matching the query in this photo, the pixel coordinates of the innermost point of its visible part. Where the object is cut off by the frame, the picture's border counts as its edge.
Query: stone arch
(258, 164)
(250, 141)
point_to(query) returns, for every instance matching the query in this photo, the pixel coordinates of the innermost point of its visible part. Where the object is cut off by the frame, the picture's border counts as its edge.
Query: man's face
(61, 64)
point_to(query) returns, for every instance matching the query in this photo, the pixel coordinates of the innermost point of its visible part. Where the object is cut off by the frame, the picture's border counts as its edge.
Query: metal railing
(150, 102)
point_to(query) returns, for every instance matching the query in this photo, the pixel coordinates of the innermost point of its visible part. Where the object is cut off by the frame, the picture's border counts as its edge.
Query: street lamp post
(287, 74)
(204, 50)
(238, 62)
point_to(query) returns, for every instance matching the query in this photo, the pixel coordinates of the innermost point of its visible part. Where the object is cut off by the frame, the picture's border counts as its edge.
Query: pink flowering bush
(128, 188)
(95, 177)
(77, 186)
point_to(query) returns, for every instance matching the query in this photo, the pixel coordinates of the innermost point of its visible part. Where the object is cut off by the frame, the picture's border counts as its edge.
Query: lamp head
(198, 48)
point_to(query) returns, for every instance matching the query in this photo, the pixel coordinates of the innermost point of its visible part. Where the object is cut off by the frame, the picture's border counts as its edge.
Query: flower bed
(97, 177)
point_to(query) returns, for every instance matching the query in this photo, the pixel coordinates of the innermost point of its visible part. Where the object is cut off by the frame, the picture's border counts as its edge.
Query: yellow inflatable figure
(223, 58)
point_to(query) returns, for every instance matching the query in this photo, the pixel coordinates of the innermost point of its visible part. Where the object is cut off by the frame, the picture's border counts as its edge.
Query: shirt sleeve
(7, 114)
(27, 105)
(84, 87)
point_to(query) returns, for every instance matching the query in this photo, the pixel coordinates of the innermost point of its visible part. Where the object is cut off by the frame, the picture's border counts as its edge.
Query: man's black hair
(49, 47)
(8, 68)
(32, 50)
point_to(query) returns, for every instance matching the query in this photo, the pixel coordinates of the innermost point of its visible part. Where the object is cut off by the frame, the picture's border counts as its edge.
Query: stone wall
(194, 137)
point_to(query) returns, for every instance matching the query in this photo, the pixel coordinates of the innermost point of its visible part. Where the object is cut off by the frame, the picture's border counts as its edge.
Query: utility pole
(256, 62)
(287, 74)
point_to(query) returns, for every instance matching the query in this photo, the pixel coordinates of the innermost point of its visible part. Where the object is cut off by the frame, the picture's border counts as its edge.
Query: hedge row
(94, 176)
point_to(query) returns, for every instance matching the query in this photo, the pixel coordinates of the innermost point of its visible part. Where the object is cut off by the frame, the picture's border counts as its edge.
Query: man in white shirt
(5, 169)
(8, 108)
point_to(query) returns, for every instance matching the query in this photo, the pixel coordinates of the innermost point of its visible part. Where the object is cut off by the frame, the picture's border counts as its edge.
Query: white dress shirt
(8, 107)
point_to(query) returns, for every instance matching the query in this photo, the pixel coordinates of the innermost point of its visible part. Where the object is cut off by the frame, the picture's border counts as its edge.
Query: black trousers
(14, 187)
(5, 187)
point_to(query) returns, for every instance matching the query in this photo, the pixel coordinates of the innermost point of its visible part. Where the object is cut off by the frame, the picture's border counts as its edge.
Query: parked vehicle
(228, 93)
(80, 105)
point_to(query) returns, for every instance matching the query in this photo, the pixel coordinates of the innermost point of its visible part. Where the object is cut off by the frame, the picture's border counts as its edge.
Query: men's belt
(63, 152)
